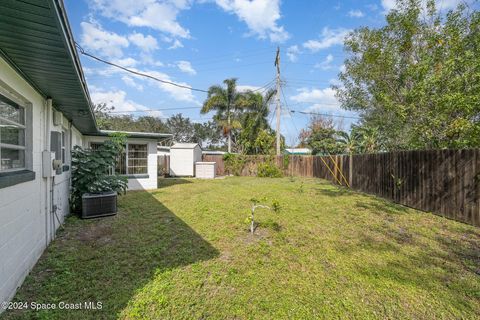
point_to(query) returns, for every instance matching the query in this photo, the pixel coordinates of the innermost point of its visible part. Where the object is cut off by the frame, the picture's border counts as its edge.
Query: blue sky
(199, 43)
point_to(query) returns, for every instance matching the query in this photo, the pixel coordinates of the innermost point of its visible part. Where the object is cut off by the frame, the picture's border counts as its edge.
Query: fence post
(350, 170)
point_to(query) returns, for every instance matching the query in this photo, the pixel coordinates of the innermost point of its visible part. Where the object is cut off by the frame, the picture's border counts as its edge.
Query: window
(137, 159)
(12, 135)
(132, 161)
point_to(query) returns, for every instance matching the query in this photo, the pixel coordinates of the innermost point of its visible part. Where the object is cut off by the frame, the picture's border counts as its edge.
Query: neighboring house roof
(36, 40)
(131, 134)
(184, 146)
(213, 152)
(298, 151)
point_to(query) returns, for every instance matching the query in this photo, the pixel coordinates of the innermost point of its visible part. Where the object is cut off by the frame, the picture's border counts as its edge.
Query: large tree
(417, 79)
(227, 102)
(254, 123)
(321, 136)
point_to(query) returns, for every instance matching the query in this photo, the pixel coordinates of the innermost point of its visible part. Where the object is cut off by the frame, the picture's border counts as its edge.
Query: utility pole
(277, 64)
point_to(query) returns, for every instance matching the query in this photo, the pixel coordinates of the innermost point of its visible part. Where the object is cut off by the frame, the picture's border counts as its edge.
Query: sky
(199, 43)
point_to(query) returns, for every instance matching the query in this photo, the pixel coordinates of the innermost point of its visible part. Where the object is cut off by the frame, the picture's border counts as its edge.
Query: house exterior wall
(139, 182)
(26, 223)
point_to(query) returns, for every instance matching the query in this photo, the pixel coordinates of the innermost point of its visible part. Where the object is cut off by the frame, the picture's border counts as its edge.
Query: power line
(150, 110)
(289, 110)
(311, 102)
(265, 86)
(236, 66)
(136, 72)
(325, 114)
(236, 54)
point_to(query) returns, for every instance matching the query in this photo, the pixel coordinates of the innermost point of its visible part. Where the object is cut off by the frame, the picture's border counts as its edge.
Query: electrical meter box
(52, 160)
(47, 163)
(56, 148)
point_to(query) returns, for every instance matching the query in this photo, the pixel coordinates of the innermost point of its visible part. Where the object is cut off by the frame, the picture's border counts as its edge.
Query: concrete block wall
(26, 225)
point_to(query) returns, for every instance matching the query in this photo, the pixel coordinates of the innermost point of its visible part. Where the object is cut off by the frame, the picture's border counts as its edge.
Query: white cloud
(329, 38)
(260, 16)
(293, 52)
(356, 14)
(158, 15)
(186, 67)
(176, 44)
(243, 88)
(126, 62)
(118, 99)
(176, 93)
(325, 64)
(148, 59)
(145, 43)
(129, 81)
(441, 4)
(108, 44)
(320, 99)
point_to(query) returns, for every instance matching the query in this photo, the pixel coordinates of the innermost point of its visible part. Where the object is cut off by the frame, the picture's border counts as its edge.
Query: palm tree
(254, 120)
(226, 101)
(349, 142)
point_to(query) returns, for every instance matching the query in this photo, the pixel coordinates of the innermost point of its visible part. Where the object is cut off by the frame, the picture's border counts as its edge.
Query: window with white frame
(137, 158)
(132, 161)
(12, 135)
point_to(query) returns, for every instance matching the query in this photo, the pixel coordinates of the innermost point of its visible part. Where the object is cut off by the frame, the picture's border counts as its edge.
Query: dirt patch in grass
(100, 233)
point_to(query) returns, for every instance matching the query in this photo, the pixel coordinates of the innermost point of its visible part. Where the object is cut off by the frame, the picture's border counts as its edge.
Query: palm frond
(215, 102)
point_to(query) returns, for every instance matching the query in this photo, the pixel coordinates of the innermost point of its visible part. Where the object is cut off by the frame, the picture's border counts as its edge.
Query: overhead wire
(289, 110)
(325, 114)
(150, 110)
(138, 73)
(82, 51)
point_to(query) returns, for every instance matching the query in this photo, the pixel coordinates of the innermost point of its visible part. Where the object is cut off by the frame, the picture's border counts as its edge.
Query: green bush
(92, 170)
(269, 170)
(234, 163)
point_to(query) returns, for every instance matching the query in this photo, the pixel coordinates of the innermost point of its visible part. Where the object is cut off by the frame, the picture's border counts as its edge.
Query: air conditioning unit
(57, 118)
(96, 205)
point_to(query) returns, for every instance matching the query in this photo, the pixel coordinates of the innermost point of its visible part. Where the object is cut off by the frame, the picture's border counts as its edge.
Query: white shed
(183, 157)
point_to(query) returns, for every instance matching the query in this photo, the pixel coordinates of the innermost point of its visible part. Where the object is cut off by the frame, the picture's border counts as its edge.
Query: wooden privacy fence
(163, 165)
(445, 182)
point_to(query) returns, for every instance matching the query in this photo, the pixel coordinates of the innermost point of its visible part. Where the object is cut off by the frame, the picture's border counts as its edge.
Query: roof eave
(62, 17)
(137, 135)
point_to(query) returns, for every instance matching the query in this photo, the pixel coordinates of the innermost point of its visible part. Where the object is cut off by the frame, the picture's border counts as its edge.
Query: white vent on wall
(57, 118)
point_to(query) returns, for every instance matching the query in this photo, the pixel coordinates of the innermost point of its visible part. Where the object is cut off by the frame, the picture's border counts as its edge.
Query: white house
(45, 110)
(139, 160)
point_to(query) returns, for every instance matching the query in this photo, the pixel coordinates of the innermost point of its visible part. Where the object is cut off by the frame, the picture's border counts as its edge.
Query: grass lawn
(184, 252)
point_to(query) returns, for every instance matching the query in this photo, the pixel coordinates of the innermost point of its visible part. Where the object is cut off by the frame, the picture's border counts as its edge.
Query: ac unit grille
(99, 205)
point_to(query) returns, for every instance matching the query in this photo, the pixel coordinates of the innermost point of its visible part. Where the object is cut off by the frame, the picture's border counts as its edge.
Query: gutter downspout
(48, 108)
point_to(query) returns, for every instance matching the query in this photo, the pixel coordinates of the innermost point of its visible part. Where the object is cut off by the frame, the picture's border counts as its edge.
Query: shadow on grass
(337, 192)
(168, 182)
(109, 260)
(381, 206)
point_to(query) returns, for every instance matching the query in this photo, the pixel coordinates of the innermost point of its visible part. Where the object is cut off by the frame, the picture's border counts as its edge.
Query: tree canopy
(416, 81)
